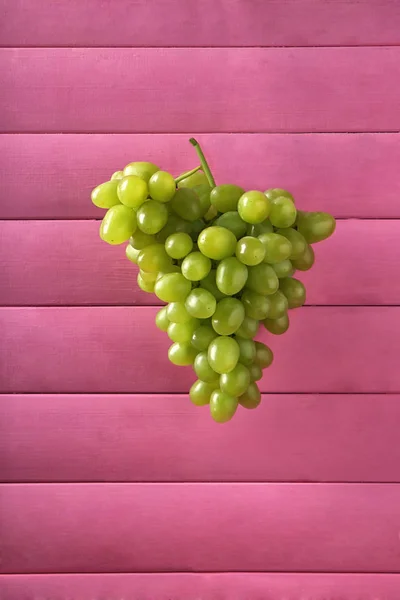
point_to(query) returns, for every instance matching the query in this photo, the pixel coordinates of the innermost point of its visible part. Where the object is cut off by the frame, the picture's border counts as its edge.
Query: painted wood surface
(125, 527)
(118, 349)
(51, 176)
(207, 586)
(65, 262)
(228, 90)
(137, 438)
(222, 23)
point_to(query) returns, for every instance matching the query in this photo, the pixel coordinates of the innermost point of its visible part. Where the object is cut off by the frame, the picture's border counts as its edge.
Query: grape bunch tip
(223, 259)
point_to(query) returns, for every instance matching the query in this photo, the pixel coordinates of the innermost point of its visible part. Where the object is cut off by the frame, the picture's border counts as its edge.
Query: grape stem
(187, 174)
(204, 163)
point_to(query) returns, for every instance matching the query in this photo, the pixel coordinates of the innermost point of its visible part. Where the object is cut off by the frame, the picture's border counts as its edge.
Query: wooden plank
(207, 586)
(69, 265)
(119, 349)
(89, 528)
(88, 438)
(148, 90)
(347, 175)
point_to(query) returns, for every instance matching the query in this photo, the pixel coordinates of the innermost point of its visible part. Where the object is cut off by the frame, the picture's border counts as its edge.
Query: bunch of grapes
(223, 260)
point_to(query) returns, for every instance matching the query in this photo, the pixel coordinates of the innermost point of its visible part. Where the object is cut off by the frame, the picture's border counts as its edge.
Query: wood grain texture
(207, 586)
(51, 176)
(222, 23)
(89, 528)
(134, 438)
(119, 349)
(69, 265)
(228, 90)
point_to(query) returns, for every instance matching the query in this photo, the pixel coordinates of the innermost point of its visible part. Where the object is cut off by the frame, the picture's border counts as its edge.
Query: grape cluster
(223, 260)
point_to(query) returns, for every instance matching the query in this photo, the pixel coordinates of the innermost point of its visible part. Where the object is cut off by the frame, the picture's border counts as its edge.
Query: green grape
(211, 214)
(196, 266)
(132, 191)
(203, 336)
(248, 328)
(247, 350)
(264, 355)
(203, 370)
(148, 276)
(228, 316)
(236, 382)
(250, 251)
(174, 225)
(225, 197)
(254, 207)
(277, 326)
(144, 170)
(203, 192)
(193, 180)
(232, 221)
(178, 245)
(298, 242)
(255, 372)
(162, 186)
(294, 291)
(105, 195)
(283, 212)
(262, 279)
(216, 242)
(140, 240)
(277, 192)
(279, 305)
(177, 312)
(118, 224)
(223, 354)
(283, 268)
(146, 286)
(255, 305)
(231, 276)
(277, 247)
(197, 228)
(306, 260)
(172, 287)
(316, 226)
(259, 228)
(186, 204)
(251, 398)
(200, 303)
(222, 406)
(117, 175)
(182, 332)
(200, 392)
(209, 284)
(153, 258)
(182, 354)
(168, 269)
(162, 321)
(152, 216)
(132, 254)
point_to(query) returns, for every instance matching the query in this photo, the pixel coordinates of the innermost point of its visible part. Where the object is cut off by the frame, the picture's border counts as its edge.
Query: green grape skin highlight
(195, 266)
(162, 186)
(262, 279)
(248, 328)
(294, 291)
(255, 372)
(173, 287)
(144, 170)
(202, 337)
(140, 240)
(277, 326)
(250, 251)
(186, 204)
(278, 305)
(161, 320)
(203, 369)
(228, 316)
(316, 226)
(223, 354)
(209, 284)
(306, 260)
(178, 245)
(216, 242)
(182, 332)
(222, 406)
(264, 355)
(146, 286)
(231, 220)
(236, 382)
(277, 247)
(152, 216)
(298, 241)
(117, 175)
(251, 398)
(225, 197)
(247, 350)
(200, 392)
(177, 313)
(283, 212)
(182, 354)
(254, 207)
(200, 303)
(153, 258)
(105, 195)
(118, 224)
(231, 276)
(132, 191)
(132, 254)
(255, 305)
(283, 269)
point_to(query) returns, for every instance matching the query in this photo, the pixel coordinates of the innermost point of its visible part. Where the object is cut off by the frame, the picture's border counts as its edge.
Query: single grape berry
(254, 207)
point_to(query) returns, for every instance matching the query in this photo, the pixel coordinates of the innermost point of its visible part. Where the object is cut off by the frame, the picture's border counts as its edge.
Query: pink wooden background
(112, 484)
